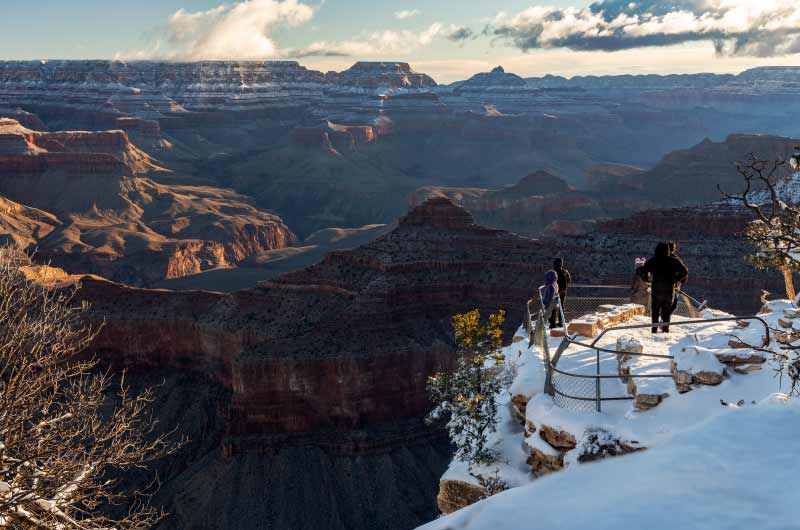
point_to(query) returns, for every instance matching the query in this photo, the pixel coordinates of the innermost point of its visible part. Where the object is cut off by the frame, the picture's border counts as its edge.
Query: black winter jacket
(665, 270)
(564, 279)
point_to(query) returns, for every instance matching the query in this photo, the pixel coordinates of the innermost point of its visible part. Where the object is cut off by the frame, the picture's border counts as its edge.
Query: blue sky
(449, 39)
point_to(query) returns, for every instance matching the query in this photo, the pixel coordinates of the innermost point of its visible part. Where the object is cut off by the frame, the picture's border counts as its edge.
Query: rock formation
(332, 138)
(320, 374)
(538, 204)
(158, 89)
(498, 77)
(694, 175)
(239, 124)
(382, 75)
(106, 217)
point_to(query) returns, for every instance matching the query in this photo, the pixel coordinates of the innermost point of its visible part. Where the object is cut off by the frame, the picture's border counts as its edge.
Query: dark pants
(555, 316)
(661, 307)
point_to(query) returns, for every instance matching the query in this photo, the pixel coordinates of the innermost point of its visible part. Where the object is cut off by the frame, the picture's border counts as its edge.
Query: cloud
(736, 27)
(406, 13)
(460, 34)
(233, 31)
(387, 42)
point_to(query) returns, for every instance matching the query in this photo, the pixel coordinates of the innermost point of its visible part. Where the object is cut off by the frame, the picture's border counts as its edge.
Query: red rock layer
(333, 138)
(77, 165)
(344, 345)
(348, 343)
(718, 221)
(111, 221)
(539, 204)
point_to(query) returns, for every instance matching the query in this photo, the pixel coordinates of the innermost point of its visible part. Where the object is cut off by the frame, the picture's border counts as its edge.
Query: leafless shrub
(67, 430)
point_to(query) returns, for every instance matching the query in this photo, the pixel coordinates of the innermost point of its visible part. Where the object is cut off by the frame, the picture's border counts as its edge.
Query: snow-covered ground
(717, 457)
(734, 471)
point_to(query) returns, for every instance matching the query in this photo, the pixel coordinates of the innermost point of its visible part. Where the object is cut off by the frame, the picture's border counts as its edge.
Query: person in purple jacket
(549, 295)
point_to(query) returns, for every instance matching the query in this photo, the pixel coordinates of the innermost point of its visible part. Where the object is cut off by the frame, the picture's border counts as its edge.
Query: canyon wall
(87, 202)
(317, 378)
(314, 334)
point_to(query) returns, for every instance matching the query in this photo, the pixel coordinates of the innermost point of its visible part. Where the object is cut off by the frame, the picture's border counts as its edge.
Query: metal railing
(583, 299)
(583, 392)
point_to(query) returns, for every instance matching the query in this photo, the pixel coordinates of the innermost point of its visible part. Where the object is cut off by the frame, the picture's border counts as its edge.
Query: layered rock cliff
(317, 378)
(181, 95)
(539, 204)
(382, 75)
(389, 300)
(155, 89)
(82, 199)
(695, 175)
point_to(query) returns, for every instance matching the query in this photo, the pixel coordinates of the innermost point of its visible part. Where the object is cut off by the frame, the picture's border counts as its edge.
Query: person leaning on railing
(549, 293)
(673, 251)
(564, 279)
(665, 271)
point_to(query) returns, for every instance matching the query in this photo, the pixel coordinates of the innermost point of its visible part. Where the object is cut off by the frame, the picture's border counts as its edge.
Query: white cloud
(232, 31)
(376, 43)
(406, 13)
(744, 27)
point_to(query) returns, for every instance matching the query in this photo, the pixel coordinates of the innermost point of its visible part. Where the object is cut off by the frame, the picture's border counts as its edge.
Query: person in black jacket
(564, 279)
(665, 271)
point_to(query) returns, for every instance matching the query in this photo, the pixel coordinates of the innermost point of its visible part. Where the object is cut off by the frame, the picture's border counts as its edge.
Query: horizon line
(298, 61)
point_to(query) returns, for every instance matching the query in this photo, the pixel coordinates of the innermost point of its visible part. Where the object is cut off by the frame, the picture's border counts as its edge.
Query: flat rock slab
(649, 401)
(746, 369)
(738, 344)
(791, 313)
(739, 356)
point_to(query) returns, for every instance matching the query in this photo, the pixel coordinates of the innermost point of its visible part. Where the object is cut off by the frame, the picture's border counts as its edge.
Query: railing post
(597, 381)
(563, 316)
(528, 327)
(548, 379)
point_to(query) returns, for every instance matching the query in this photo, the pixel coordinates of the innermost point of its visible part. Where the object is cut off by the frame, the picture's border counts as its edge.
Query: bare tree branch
(64, 431)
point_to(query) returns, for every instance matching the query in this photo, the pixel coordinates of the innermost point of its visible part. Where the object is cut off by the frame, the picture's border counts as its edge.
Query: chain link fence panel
(578, 394)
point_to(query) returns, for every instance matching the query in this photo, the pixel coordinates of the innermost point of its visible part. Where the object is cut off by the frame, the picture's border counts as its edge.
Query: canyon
(346, 149)
(540, 204)
(85, 201)
(282, 249)
(317, 378)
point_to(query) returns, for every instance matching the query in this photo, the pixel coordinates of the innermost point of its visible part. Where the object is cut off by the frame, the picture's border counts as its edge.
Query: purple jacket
(550, 290)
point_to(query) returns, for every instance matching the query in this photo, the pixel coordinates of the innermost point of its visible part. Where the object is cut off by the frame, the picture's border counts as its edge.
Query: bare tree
(775, 230)
(775, 233)
(68, 431)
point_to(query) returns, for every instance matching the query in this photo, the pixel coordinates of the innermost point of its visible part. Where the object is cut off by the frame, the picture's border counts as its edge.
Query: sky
(448, 39)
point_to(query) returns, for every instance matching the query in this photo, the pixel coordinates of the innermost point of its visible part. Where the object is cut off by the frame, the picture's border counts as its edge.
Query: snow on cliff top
(735, 471)
(709, 451)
